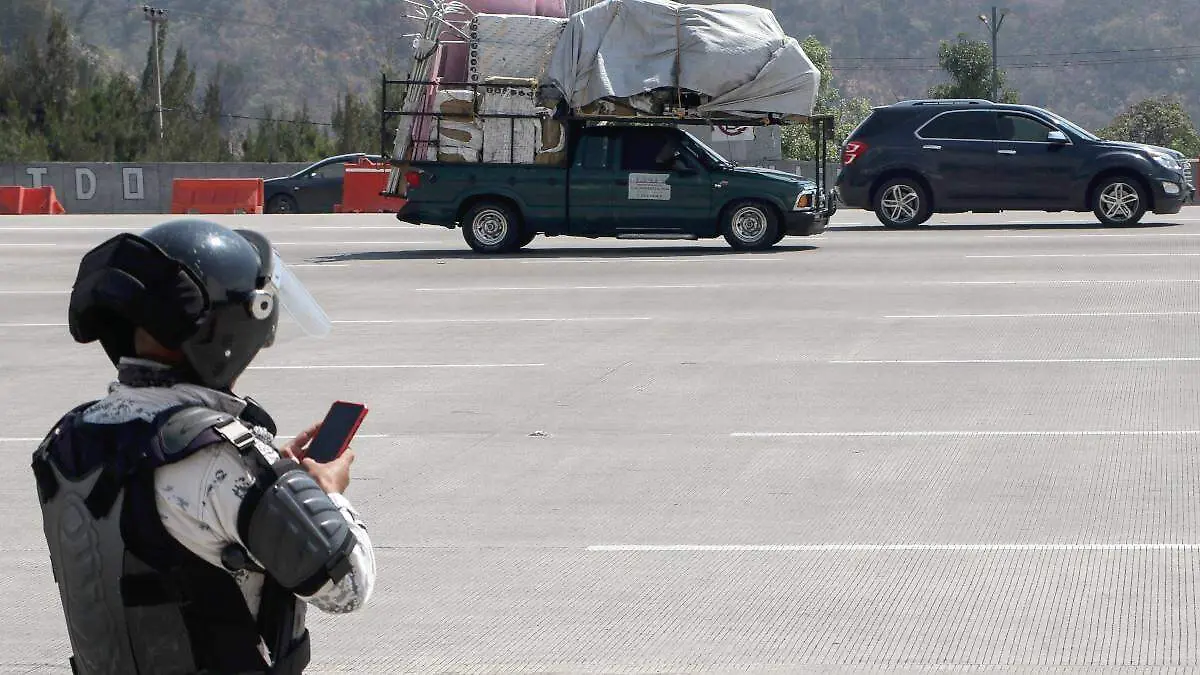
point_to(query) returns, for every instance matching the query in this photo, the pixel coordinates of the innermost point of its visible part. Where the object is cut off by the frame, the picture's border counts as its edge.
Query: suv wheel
(1119, 200)
(901, 203)
(491, 227)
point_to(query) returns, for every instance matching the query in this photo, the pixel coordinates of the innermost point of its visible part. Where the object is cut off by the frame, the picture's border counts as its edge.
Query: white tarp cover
(737, 54)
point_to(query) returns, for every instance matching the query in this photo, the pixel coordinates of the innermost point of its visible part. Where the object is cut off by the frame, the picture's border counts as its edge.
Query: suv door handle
(931, 147)
(1007, 152)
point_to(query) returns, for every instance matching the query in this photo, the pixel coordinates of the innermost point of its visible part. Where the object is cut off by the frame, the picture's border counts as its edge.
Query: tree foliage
(1160, 121)
(969, 64)
(799, 141)
(57, 104)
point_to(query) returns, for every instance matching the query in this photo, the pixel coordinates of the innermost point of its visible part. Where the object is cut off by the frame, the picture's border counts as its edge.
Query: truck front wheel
(492, 227)
(750, 226)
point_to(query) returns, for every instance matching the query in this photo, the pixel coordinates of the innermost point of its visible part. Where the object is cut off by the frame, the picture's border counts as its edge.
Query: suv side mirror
(1056, 137)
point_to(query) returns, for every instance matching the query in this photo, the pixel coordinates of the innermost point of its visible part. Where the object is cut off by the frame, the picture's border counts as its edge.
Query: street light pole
(993, 25)
(156, 16)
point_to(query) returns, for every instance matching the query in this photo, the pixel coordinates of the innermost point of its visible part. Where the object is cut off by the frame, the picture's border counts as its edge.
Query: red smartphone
(340, 425)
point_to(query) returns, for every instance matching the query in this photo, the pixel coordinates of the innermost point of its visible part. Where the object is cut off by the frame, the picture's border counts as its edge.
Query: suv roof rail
(947, 101)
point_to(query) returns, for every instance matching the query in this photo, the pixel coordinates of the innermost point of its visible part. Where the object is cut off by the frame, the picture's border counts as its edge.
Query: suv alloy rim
(490, 226)
(1119, 201)
(900, 203)
(749, 224)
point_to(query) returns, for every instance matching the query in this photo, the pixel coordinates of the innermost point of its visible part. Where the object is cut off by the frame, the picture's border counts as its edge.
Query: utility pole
(993, 25)
(156, 16)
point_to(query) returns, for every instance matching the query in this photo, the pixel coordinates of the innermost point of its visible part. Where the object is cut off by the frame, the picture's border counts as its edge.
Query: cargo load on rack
(647, 54)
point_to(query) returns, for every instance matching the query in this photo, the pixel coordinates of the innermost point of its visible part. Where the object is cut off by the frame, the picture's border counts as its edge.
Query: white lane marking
(969, 434)
(33, 244)
(1086, 255)
(660, 259)
(514, 320)
(32, 325)
(1037, 316)
(472, 289)
(21, 440)
(32, 292)
(283, 437)
(394, 366)
(883, 548)
(1129, 235)
(369, 227)
(1155, 359)
(294, 265)
(348, 243)
(1049, 282)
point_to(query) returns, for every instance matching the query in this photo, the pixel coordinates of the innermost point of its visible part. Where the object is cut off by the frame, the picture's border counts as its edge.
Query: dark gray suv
(912, 159)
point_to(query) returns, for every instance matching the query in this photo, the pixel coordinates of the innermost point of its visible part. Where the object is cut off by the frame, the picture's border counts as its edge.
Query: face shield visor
(280, 284)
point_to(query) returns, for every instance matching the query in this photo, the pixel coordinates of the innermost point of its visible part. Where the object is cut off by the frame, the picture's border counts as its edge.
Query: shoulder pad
(184, 430)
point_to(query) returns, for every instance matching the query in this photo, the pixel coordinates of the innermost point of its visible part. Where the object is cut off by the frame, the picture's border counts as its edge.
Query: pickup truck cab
(618, 180)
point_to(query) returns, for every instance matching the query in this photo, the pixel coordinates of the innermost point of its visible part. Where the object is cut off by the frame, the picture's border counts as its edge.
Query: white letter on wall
(134, 189)
(80, 193)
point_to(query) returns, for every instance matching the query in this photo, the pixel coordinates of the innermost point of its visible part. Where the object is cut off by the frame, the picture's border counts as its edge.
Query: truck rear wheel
(492, 227)
(750, 226)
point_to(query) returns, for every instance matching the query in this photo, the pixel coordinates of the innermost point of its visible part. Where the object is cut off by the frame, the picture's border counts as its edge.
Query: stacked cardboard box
(459, 131)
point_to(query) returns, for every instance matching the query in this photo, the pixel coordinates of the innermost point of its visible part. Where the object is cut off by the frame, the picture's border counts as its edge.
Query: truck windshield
(706, 154)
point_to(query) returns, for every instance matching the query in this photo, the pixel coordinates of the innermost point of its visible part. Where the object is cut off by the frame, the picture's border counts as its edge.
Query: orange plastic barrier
(361, 185)
(217, 195)
(22, 201)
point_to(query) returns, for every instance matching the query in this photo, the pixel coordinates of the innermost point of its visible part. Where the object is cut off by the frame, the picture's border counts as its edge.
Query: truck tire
(1119, 200)
(750, 226)
(492, 227)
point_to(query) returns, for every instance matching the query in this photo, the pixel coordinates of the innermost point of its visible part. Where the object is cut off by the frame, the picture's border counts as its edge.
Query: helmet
(210, 292)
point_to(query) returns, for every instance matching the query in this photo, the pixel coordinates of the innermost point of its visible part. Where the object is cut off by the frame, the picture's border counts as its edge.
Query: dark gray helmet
(210, 292)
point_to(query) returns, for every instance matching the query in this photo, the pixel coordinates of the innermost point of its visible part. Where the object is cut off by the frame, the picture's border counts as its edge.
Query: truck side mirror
(1056, 137)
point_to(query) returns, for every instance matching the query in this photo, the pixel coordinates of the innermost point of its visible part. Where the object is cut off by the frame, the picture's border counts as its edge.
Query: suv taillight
(413, 179)
(852, 151)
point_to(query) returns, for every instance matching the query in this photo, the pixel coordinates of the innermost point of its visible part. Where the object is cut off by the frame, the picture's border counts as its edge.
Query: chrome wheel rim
(900, 203)
(1119, 201)
(749, 224)
(489, 227)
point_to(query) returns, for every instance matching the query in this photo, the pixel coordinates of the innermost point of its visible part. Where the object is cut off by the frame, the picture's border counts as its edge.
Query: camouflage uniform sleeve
(354, 590)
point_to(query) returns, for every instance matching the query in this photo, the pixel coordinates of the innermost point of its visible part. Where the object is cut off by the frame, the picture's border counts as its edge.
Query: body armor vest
(135, 599)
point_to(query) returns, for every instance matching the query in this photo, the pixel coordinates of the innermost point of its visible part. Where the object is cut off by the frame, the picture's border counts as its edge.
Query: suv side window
(1017, 127)
(961, 125)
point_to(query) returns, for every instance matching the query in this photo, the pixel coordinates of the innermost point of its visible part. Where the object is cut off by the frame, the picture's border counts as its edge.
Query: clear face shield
(300, 308)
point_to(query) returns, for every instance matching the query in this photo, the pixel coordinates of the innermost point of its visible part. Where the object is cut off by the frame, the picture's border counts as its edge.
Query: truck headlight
(1170, 188)
(804, 201)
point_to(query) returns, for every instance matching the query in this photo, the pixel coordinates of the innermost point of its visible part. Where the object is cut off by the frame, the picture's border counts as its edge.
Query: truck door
(662, 188)
(592, 186)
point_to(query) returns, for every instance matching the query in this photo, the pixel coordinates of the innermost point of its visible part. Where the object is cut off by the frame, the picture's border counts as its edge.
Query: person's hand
(298, 448)
(331, 476)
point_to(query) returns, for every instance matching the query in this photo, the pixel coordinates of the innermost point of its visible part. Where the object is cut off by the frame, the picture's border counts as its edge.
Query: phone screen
(339, 427)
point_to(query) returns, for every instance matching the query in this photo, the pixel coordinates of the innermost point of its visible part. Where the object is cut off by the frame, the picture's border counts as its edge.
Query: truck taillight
(413, 179)
(852, 151)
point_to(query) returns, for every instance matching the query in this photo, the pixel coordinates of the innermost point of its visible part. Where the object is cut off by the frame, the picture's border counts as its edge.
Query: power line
(1021, 66)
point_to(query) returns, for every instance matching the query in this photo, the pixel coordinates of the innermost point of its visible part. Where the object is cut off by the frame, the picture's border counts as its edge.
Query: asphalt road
(969, 446)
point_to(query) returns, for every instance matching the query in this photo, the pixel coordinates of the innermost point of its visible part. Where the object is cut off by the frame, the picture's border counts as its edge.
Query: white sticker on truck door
(649, 186)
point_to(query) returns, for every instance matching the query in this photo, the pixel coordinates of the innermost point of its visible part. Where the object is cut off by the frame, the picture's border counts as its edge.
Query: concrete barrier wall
(93, 187)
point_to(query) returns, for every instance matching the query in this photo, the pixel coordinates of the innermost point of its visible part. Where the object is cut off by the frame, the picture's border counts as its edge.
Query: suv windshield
(1064, 122)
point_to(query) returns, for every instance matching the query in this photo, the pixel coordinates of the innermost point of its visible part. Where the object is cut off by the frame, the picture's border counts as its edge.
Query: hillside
(1087, 59)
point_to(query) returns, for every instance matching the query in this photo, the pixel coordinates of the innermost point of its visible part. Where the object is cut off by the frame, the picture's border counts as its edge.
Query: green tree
(289, 136)
(355, 125)
(969, 64)
(1161, 121)
(799, 141)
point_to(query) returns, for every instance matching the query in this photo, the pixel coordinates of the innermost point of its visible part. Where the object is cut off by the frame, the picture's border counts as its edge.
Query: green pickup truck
(620, 180)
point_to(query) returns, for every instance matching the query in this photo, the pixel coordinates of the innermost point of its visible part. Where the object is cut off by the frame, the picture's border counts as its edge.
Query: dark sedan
(313, 189)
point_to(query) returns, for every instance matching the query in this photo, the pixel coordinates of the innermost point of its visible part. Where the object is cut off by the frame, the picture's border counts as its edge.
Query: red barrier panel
(217, 195)
(361, 185)
(23, 201)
